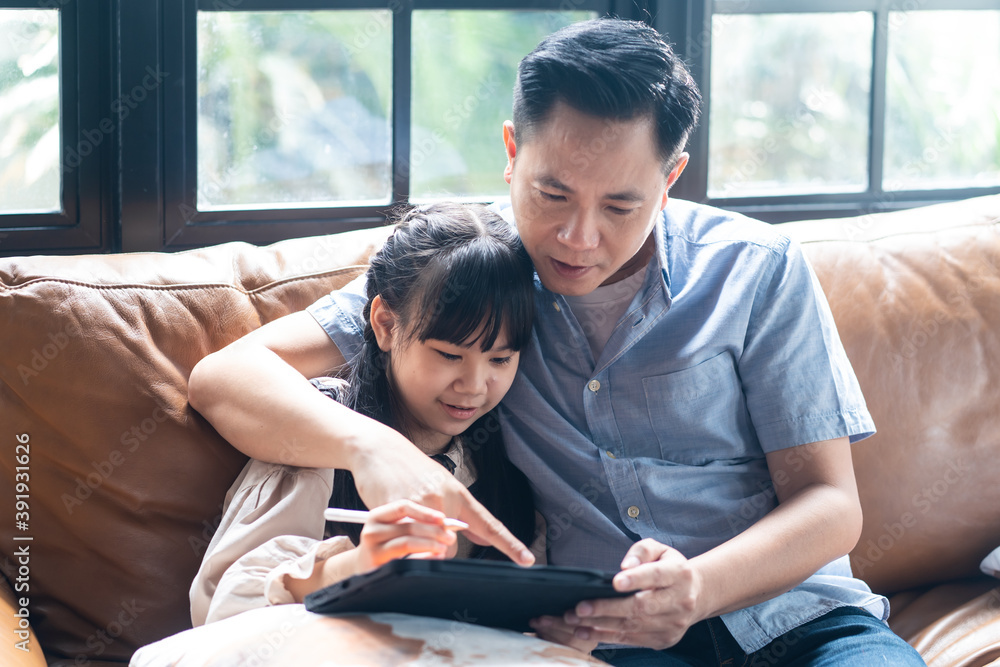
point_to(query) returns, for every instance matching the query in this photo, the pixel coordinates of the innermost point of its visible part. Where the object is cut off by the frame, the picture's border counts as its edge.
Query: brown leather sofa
(125, 482)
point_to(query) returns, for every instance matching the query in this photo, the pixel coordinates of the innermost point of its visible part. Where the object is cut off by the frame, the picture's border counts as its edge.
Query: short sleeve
(798, 382)
(340, 315)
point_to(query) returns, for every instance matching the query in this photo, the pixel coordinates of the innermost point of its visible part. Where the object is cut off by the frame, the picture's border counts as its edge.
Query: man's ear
(674, 174)
(383, 322)
(511, 148)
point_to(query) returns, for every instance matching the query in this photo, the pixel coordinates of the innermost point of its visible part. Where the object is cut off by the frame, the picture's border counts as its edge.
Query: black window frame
(88, 139)
(697, 49)
(183, 226)
(128, 193)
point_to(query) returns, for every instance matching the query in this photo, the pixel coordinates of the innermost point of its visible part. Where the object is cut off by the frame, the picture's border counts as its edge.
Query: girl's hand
(387, 467)
(399, 529)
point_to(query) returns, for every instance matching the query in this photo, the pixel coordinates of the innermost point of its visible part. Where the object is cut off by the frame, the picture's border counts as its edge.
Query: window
(464, 66)
(322, 116)
(147, 125)
(294, 109)
(55, 138)
(942, 124)
(822, 108)
(29, 110)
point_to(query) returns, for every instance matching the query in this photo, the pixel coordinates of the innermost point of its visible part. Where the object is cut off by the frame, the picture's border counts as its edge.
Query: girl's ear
(383, 322)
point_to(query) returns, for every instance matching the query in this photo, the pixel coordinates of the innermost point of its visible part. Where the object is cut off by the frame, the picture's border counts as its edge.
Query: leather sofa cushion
(916, 298)
(127, 482)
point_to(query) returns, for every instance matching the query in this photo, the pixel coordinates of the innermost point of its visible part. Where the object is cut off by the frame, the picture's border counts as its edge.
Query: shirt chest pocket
(698, 414)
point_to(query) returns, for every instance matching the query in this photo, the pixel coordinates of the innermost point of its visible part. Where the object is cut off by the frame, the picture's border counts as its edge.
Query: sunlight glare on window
(789, 103)
(30, 139)
(464, 66)
(294, 108)
(943, 100)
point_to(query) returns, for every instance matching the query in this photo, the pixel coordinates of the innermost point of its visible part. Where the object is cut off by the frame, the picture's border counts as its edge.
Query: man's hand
(398, 470)
(818, 519)
(657, 616)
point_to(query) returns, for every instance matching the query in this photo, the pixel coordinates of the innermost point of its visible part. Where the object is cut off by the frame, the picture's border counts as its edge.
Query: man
(684, 412)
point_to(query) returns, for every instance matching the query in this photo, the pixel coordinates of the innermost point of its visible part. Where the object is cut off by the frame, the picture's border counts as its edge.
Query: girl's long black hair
(457, 273)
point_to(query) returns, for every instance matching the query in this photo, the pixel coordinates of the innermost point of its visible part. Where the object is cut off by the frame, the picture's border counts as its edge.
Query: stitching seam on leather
(183, 287)
(992, 222)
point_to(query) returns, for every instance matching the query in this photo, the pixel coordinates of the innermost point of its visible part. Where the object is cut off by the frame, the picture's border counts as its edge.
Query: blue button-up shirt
(728, 351)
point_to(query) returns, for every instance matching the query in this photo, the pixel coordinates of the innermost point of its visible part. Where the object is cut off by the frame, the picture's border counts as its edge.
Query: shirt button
(610, 455)
(593, 386)
(555, 304)
(633, 511)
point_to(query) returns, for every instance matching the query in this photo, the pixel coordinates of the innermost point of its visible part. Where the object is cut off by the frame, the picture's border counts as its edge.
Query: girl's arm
(255, 392)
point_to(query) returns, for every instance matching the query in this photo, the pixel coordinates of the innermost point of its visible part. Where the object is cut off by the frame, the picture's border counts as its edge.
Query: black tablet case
(493, 593)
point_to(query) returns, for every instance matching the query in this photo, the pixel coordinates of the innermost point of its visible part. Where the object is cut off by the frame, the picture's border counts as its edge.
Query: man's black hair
(609, 68)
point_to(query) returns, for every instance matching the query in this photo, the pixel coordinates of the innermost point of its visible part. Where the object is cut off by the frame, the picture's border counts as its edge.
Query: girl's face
(446, 387)
(443, 386)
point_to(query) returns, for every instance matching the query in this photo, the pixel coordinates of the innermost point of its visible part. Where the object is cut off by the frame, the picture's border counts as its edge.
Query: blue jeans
(845, 637)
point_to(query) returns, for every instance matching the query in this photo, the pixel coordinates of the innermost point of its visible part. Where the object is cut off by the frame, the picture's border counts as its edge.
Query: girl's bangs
(477, 299)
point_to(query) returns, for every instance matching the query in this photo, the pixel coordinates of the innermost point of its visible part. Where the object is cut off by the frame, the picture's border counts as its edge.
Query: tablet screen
(492, 593)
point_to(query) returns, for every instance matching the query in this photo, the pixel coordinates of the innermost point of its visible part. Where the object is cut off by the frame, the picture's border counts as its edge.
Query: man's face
(586, 192)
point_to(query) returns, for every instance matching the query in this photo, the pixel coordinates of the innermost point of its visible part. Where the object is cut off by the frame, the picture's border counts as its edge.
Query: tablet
(494, 593)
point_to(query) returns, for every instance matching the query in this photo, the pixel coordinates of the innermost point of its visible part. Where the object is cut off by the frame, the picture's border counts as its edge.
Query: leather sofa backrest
(916, 297)
(126, 480)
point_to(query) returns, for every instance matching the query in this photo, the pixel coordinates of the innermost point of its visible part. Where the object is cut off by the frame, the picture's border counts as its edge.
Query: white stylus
(359, 516)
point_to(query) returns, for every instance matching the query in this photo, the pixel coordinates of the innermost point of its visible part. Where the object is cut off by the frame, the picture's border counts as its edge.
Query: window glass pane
(942, 126)
(789, 103)
(294, 108)
(29, 111)
(464, 66)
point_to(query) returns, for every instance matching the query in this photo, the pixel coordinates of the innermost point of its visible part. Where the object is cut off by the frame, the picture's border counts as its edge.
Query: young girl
(450, 304)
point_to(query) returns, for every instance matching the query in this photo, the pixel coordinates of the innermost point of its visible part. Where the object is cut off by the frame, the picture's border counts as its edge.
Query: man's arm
(817, 520)
(255, 392)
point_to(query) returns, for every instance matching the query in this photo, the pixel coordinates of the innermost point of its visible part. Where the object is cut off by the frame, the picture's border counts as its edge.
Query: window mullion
(876, 144)
(696, 43)
(402, 74)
